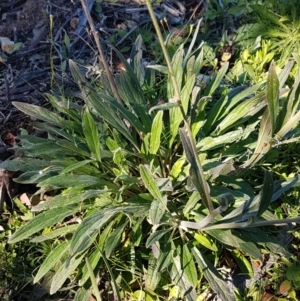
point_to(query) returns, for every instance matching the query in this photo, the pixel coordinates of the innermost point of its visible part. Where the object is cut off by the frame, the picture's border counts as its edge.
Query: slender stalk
(101, 52)
(164, 50)
(51, 49)
(203, 183)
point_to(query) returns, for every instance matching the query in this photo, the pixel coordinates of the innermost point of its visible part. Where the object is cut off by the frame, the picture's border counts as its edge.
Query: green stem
(165, 52)
(204, 185)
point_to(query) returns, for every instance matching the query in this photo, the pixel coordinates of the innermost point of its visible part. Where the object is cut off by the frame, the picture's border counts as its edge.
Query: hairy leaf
(213, 277)
(42, 221)
(180, 278)
(64, 273)
(62, 181)
(24, 164)
(114, 238)
(164, 106)
(150, 183)
(157, 211)
(196, 172)
(51, 260)
(89, 228)
(156, 236)
(91, 134)
(156, 131)
(189, 266)
(266, 193)
(44, 114)
(263, 143)
(55, 233)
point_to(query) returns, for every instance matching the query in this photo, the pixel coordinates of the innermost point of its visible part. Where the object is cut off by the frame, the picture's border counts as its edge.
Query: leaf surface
(91, 134)
(272, 92)
(189, 266)
(51, 260)
(156, 131)
(64, 273)
(150, 183)
(42, 221)
(213, 277)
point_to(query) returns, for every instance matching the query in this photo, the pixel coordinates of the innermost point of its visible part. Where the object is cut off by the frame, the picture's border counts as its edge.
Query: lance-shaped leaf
(44, 114)
(150, 183)
(129, 116)
(157, 210)
(196, 171)
(263, 143)
(156, 131)
(53, 257)
(215, 82)
(284, 73)
(175, 113)
(266, 193)
(91, 134)
(89, 228)
(114, 238)
(42, 221)
(100, 103)
(281, 187)
(213, 277)
(152, 275)
(93, 260)
(180, 278)
(62, 181)
(24, 164)
(155, 236)
(55, 233)
(64, 273)
(165, 256)
(273, 95)
(189, 266)
(164, 106)
(290, 104)
(240, 114)
(290, 124)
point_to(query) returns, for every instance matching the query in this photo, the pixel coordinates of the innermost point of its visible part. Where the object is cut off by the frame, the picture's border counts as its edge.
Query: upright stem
(101, 52)
(164, 49)
(203, 183)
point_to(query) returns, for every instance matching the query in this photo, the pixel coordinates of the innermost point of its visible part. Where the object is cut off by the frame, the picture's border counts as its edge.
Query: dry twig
(101, 52)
